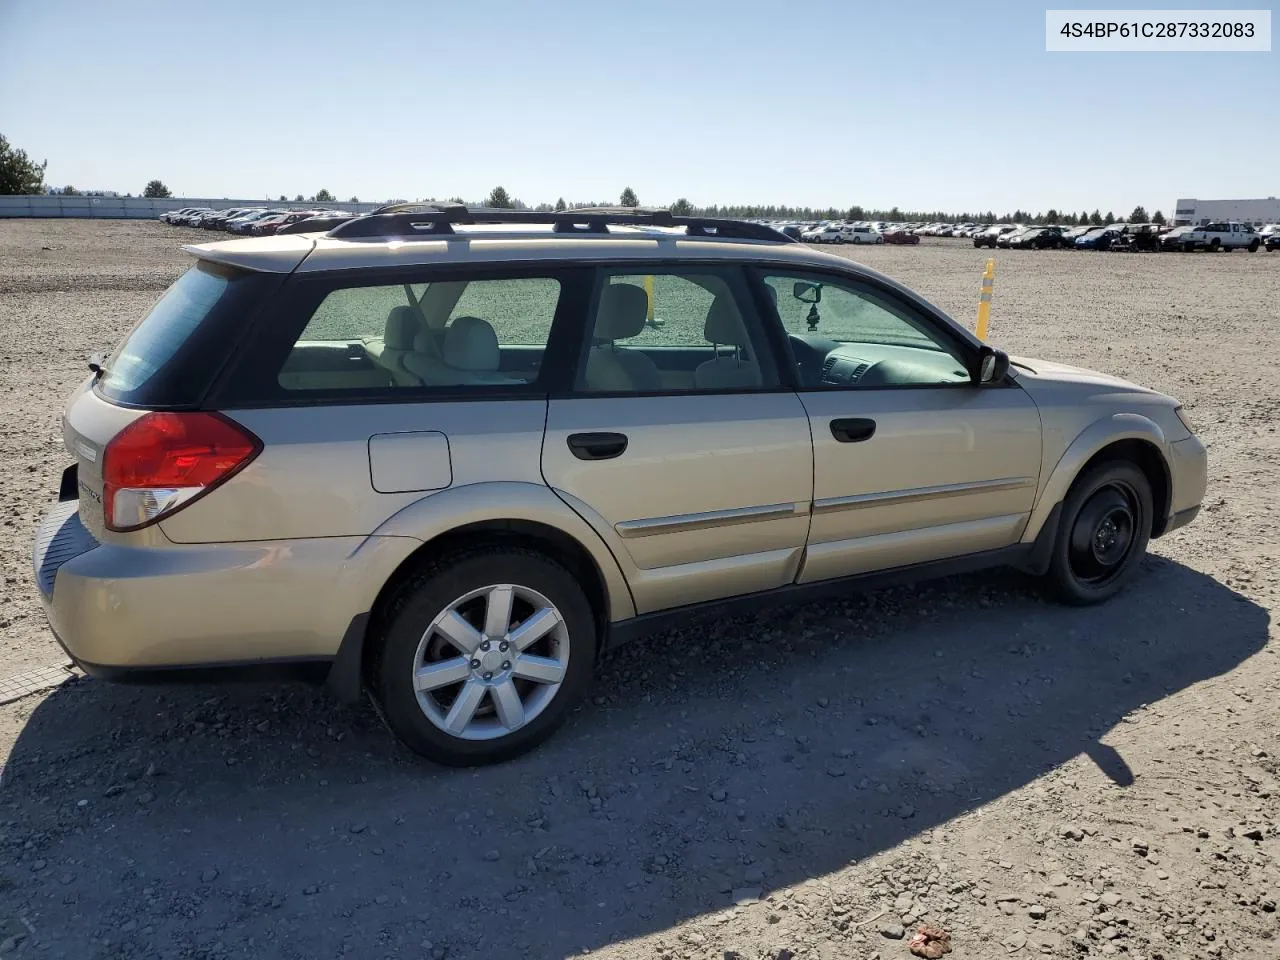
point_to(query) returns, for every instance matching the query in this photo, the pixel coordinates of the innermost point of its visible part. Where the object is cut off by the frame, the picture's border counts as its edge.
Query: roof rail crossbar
(437, 220)
(425, 224)
(316, 224)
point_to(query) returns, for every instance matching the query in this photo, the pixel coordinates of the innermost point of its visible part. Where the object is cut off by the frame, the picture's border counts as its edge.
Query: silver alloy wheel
(491, 661)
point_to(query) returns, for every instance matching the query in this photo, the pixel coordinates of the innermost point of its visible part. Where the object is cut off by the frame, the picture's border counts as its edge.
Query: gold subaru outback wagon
(451, 456)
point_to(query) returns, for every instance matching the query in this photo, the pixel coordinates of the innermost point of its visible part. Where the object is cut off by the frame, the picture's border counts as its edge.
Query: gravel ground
(811, 783)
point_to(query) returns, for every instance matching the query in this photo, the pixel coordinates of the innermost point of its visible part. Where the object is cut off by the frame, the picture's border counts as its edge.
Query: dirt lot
(1037, 780)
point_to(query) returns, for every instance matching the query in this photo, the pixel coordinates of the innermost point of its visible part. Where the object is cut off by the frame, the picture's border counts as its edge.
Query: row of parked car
(1224, 235)
(1213, 236)
(245, 221)
(850, 231)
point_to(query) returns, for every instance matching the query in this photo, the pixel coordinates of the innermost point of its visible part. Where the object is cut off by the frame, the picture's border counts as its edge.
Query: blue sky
(927, 105)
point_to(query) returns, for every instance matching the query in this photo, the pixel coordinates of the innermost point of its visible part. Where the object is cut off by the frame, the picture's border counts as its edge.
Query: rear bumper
(118, 609)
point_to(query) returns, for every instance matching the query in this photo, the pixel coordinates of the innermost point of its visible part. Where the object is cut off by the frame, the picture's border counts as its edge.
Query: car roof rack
(421, 220)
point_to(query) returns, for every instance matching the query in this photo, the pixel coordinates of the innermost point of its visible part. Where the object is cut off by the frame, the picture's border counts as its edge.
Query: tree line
(20, 175)
(499, 199)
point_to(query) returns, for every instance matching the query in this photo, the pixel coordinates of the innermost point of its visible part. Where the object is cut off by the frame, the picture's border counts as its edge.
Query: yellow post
(648, 289)
(984, 299)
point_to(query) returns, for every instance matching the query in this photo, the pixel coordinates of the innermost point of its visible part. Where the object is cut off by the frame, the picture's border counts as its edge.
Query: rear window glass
(170, 356)
(156, 340)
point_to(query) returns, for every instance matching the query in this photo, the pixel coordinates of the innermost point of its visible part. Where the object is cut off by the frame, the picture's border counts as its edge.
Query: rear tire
(1102, 534)
(432, 670)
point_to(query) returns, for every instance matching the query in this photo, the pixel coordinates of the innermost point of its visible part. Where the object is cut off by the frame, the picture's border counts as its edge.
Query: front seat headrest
(622, 313)
(402, 327)
(471, 344)
(723, 325)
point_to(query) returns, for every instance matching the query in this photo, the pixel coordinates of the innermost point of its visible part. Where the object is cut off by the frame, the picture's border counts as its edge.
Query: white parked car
(861, 233)
(825, 233)
(1222, 235)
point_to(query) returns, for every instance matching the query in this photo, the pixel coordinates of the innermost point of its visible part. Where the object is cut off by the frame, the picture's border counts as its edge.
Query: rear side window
(169, 358)
(471, 334)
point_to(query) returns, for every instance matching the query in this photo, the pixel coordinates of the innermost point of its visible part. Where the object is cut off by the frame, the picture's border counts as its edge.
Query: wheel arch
(1147, 456)
(1123, 436)
(534, 535)
(520, 514)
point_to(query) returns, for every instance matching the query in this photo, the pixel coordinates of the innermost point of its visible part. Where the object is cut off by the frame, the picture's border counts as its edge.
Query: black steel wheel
(1103, 533)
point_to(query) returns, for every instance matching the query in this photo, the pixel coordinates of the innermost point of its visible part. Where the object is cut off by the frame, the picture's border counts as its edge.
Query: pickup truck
(1221, 235)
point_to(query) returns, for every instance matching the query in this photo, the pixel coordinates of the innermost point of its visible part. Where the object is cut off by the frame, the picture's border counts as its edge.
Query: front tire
(482, 658)
(1102, 534)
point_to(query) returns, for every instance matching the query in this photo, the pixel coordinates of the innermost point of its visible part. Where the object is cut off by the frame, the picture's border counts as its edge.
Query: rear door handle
(852, 429)
(597, 446)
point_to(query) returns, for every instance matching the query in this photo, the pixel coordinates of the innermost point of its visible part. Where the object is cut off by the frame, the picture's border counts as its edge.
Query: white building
(1256, 212)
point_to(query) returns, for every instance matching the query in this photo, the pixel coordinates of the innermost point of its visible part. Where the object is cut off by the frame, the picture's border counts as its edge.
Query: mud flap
(1041, 552)
(345, 680)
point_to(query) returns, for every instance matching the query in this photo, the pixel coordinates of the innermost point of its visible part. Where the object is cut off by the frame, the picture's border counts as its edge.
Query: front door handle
(597, 446)
(852, 429)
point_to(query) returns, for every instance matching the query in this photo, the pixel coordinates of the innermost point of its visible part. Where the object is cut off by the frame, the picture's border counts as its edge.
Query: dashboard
(831, 363)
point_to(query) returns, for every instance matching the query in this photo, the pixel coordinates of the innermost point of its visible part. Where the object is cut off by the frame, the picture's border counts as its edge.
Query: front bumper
(1188, 476)
(117, 608)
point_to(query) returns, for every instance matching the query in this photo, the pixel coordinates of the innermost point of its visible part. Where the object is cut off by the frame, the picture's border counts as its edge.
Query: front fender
(1096, 436)
(449, 509)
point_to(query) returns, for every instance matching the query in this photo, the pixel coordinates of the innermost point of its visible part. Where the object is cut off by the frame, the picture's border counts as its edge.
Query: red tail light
(163, 461)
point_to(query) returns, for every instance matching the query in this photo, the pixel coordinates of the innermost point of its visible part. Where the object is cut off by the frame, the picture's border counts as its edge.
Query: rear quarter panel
(313, 477)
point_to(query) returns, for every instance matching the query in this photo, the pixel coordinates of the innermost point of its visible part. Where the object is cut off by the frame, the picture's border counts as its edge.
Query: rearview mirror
(807, 292)
(993, 365)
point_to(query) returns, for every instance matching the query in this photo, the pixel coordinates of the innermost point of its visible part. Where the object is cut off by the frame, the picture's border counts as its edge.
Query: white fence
(141, 208)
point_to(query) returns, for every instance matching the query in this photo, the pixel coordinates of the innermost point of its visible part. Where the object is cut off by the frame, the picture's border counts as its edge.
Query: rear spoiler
(264, 254)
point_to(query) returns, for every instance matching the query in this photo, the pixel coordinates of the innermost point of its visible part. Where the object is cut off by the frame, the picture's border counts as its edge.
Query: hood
(1030, 370)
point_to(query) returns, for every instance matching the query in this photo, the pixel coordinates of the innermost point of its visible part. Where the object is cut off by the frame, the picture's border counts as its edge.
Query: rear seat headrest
(471, 344)
(402, 327)
(622, 313)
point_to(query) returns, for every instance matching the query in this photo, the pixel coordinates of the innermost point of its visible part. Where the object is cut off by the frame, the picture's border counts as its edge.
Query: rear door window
(674, 331)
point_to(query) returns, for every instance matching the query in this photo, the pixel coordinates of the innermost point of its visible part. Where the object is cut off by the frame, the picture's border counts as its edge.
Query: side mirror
(993, 365)
(807, 292)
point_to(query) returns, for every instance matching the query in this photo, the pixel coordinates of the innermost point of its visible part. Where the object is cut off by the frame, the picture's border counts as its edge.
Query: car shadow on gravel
(735, 755)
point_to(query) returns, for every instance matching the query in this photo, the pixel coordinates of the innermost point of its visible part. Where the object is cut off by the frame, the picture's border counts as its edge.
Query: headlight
(1186, 420)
